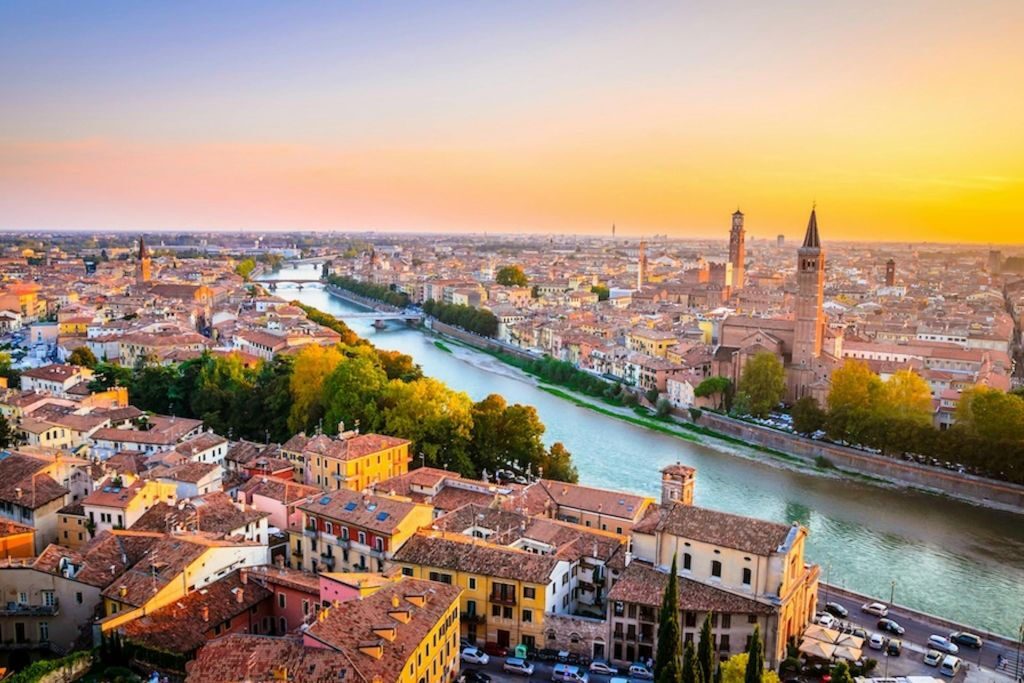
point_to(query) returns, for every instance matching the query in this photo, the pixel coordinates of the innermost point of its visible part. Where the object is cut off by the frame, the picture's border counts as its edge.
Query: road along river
(948, 558)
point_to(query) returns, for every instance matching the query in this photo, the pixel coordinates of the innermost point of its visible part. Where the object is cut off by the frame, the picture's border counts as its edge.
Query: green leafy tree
(512, 276)
(399, 365)
(734, 670)
(906, 396)
(245, 268)
(7, 436)
(991, 414)
(755, 658)
(662, 408)
(717, 388)
(763, 382)
(841, 673)
(351, 391)
(437, 420)
(557, 464)
(82, 357)
(808, 417)
(668, 663)
(706, 649)
(603, 293)
(692, 672)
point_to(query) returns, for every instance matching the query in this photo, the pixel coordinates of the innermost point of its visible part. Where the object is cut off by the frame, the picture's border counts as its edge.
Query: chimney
(243, 575)
(240, 595)
(394, 600)
(206, 613)
(17, 491)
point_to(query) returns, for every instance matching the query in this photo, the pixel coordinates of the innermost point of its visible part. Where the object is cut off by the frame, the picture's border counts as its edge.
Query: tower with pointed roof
(143, 267)
(641, 266)
(810, 297)
(737, 250)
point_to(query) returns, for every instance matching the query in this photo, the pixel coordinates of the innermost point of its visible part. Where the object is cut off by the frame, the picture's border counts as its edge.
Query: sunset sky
(904, 120)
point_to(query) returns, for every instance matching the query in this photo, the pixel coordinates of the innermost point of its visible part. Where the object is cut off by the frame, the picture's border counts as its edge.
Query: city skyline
(553, 118)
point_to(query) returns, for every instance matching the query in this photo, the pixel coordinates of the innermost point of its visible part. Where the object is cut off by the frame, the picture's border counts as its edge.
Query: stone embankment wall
(476, 340)
(968, 487)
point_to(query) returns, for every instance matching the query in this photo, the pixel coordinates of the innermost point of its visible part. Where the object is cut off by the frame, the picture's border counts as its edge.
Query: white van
(950, 665)
(573, 674)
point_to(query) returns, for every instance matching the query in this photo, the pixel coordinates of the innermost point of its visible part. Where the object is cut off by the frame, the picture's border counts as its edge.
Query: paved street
(917, 632)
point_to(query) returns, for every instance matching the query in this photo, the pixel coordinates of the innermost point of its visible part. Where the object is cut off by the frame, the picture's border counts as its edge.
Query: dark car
(965, 638)
(836, 610)
(891, 626)
(547, 655)
(894, 647)
(495, 650)
(474, 676)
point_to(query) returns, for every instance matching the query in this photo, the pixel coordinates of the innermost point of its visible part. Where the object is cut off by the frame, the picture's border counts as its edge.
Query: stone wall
(575, 634)
(965, 486)
(476, 340)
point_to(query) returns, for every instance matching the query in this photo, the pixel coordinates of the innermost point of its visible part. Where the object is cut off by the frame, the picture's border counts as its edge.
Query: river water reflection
(952, 559)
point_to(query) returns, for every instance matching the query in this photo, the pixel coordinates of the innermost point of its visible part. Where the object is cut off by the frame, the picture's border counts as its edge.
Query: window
(407, 571)
(751, 618)
(565, 578)
(283, 624)
(529, 593)
(344, 533)
(528, 615)
(723, 643)
(48, 599)
(362, 537)
(280, 600)
(726, 621)
(78, 597)
(495, 610)
(44, 631)
(506, 612)
(329, 528)
(305, 607)
(687, 559)
(472, 583)
(379, 544)
(746, 576)
(716, 569)
(691, 619)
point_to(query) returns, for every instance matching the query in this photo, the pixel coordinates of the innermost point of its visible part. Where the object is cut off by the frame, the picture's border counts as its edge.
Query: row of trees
(761, 388)
(895, 417)
(676, 664)
(358, 384)
(351, 385)
(370, 290)
(477, 320)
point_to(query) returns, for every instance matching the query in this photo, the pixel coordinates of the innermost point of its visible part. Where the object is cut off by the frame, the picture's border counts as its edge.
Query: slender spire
(811, 238)
(142, 247)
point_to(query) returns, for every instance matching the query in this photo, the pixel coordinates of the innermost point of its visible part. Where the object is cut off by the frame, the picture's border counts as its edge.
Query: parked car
(547, 655)
(950, 665)
(876, 641)
(599, 666)
(894, 647)
(942, 644)
(825, 619)
(475, 655)
(836, 610)
(891, 626)
(640, 671)
(876, 608)
(933, 657)
(859, 632)
(495, 650)
(474, 676)
(570, 673)
(965, 638)
(515, 665)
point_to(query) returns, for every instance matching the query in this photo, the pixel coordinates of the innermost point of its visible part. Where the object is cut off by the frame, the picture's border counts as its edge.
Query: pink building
(295, 596)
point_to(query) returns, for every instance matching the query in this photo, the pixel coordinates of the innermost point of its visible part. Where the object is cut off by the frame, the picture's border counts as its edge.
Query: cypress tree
(691, 668)
(706, 650)
(755, 659)
(667, 663)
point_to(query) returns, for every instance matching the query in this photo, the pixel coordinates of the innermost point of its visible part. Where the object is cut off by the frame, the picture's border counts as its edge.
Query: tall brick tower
(737, 250)
(641, 266)
(810, 281)
(143, 268)
(890, 272)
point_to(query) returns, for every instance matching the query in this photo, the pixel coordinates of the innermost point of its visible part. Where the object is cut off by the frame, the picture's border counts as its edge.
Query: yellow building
(72, 526)
(173, 566)
(506, 592)
(118, 506)
(349, 461)
(407, 632)
(652, 342)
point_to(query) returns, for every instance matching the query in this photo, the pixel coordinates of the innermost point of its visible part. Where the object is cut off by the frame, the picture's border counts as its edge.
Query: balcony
(503, 598)
(12, 609)
(327, 560)
(309, 531)
(474, 618)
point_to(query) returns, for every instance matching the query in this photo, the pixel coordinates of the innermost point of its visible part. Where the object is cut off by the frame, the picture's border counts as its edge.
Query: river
(951, 559)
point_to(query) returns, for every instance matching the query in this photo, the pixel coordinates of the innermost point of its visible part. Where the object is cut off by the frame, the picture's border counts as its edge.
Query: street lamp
(892, 592)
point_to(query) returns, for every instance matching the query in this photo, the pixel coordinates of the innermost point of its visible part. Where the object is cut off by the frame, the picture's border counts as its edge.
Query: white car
(475, 655)
(876, 641)
(515, 665)
(640, 671)
(933, 657)
(825, 619)
(943, 644)
(876, 608)
(599, 666)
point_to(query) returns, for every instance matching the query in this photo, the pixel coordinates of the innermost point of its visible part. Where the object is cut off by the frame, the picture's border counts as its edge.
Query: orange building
(16, 540)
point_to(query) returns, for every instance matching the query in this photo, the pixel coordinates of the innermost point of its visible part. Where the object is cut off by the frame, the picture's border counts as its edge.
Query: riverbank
(784, 449)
